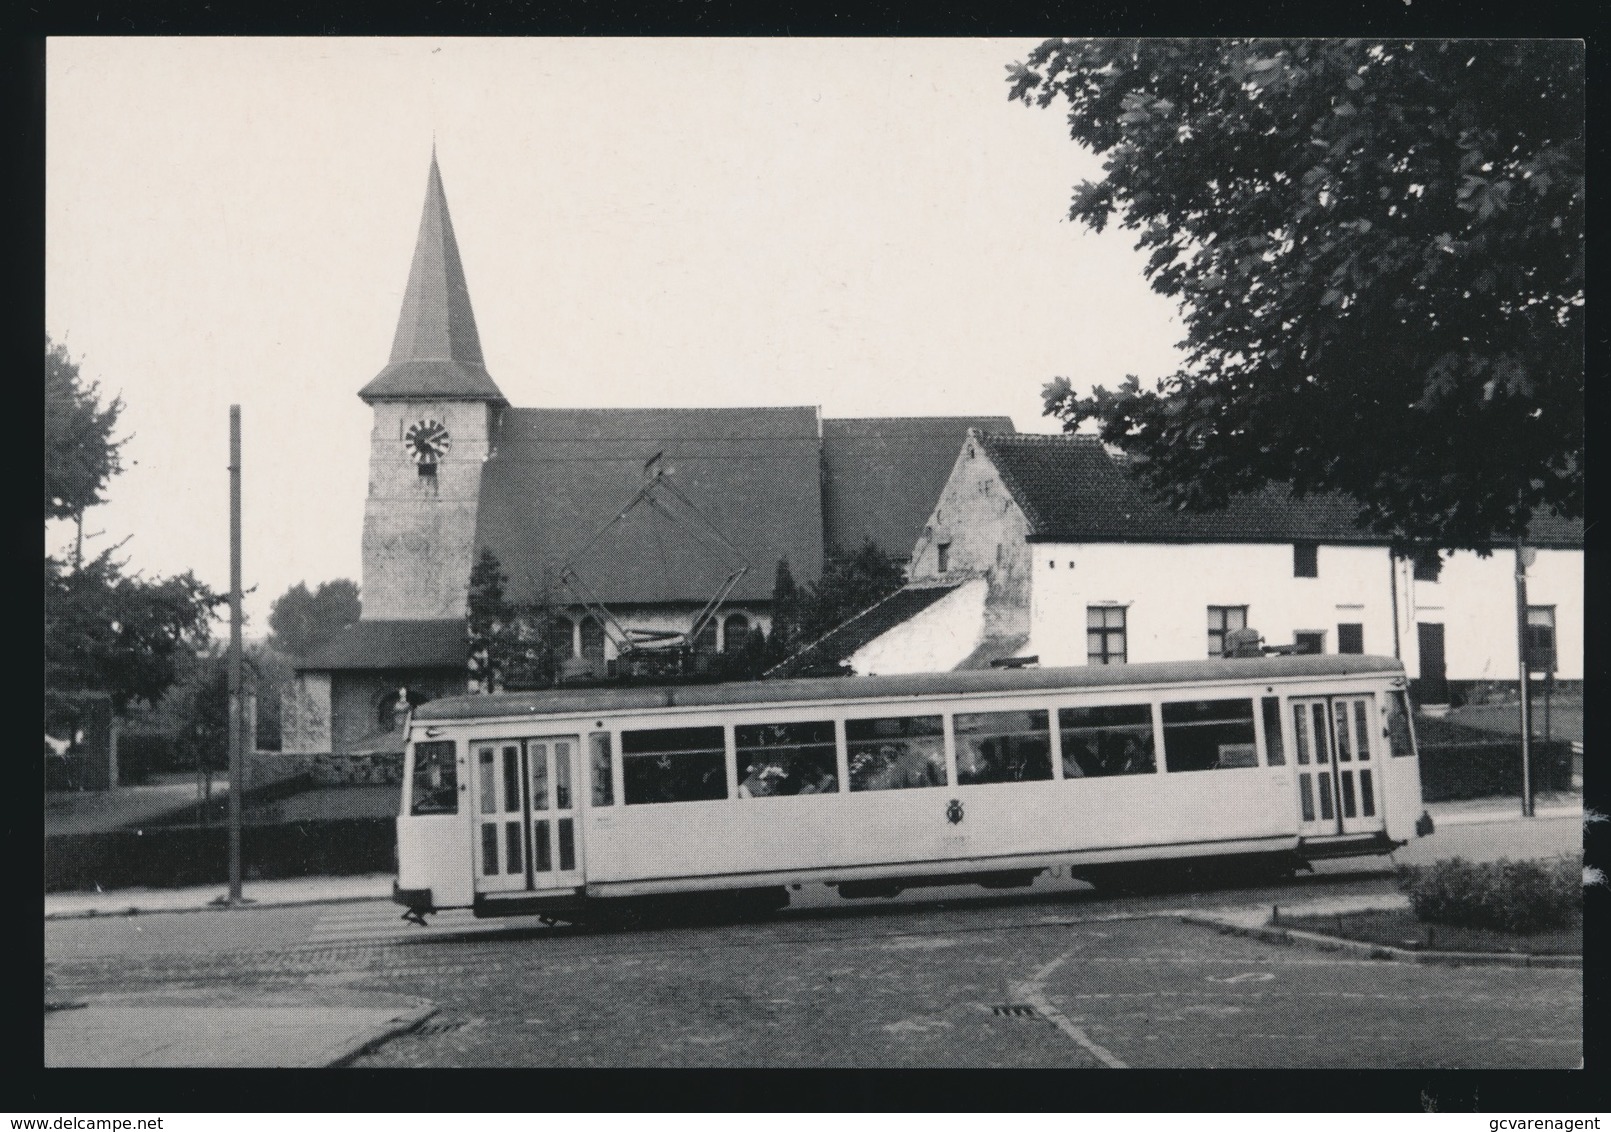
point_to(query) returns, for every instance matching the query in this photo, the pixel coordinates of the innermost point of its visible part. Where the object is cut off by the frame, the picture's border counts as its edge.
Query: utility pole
(1523, 556)
(236, 715)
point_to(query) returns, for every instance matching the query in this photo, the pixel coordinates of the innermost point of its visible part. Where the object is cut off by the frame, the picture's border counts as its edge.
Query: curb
(1489, 819)
(1380, 951)
(251, 906)
(402, 1024)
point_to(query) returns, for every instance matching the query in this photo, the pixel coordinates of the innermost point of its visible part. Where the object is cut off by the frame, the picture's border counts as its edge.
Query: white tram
(579, 804)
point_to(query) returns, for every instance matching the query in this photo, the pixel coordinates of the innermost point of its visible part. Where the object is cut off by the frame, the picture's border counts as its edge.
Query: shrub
(1510, 896)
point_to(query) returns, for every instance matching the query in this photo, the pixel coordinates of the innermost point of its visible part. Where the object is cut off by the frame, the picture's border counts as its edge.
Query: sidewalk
(258, 893)
(179, 1031)
(1476, 810)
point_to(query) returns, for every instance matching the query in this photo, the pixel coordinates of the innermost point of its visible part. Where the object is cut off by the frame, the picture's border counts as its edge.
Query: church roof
(560, 475)
(881, 476)
(1071, 490)
(436, 352)
(391, 644)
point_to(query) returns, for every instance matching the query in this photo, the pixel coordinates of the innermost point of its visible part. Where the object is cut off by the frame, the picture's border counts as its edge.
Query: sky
(865, 225)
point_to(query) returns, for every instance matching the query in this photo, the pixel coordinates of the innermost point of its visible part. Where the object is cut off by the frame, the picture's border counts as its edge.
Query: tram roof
(562, 701)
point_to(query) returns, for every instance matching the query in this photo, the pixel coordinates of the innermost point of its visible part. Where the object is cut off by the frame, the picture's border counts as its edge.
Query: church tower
(436, 411)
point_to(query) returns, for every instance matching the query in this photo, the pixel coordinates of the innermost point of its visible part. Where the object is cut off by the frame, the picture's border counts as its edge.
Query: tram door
(1332, 738)
(526, 814)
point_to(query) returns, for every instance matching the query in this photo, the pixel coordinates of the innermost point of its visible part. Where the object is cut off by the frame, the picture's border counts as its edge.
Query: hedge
(1488, 767)
(1509, 896)
(173, 856)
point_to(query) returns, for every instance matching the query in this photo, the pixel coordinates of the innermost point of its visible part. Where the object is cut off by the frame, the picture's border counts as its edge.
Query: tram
(581, 804)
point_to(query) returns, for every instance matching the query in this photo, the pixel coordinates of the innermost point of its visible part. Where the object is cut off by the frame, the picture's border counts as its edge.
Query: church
(454, 469)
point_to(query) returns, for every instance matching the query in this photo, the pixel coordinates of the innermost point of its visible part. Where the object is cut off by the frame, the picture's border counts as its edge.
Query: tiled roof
(436, 351)
(559, 475)
(827, 652)
(1072, 490)
(882, 476)
(391, 644)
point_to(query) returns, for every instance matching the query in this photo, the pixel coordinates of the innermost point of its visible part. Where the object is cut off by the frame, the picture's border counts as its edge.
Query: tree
(851, 581)
(1378, 253)
(301, 620)
(105, 630)
(512, 644)
(109, 631)
(80, 455)
(786, 598)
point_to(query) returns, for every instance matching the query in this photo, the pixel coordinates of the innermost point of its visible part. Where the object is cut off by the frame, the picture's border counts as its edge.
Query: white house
(1043, 546)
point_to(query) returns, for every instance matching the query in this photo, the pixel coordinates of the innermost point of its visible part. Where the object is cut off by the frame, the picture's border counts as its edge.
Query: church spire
(436, 352)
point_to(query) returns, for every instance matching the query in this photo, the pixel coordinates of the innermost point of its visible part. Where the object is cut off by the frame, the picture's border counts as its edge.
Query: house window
(1351, 638)
(1305, 560)
(1428, 565)
(1309, 641)
(736, 631)
(1540, 648)
(1105, 634)
(1221, 620)
(943, 553)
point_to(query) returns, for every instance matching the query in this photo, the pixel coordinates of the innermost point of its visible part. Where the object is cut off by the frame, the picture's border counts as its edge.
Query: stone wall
(305, 713)
(357, 697)
(419, 531)
(986, 536)
(358, 770)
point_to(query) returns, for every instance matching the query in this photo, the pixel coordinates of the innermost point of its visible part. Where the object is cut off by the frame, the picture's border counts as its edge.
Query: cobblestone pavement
(1050, 983)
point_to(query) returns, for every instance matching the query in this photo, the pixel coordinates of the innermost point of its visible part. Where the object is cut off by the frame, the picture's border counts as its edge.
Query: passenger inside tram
(820, 781)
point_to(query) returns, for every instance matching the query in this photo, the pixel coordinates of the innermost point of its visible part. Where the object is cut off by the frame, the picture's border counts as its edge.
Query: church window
(705, 641)
(737, 632)
(387, 715)
(592, 638)
(560, 635)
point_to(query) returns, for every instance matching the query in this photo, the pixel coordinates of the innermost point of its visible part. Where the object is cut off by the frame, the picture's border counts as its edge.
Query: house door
(1336, 765)
(526, 814)
(1434, 684)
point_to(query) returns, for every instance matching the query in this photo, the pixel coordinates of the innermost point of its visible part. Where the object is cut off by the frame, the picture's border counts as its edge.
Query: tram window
(1398, 725)
(1003, 746)
(436, 779)
(896, 754)
(674, 764)
(1209, 735)
(603, 769)
(1108, 740)
(776, 759)
(1272, 731)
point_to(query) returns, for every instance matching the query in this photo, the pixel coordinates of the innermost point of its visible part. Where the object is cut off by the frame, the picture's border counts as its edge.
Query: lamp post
(236, 715)
(1524, 558)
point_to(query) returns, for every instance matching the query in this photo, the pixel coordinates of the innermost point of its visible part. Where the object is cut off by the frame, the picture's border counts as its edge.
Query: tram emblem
(953, 812)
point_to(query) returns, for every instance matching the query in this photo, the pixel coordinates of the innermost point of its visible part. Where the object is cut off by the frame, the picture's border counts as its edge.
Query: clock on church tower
(427, 442)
